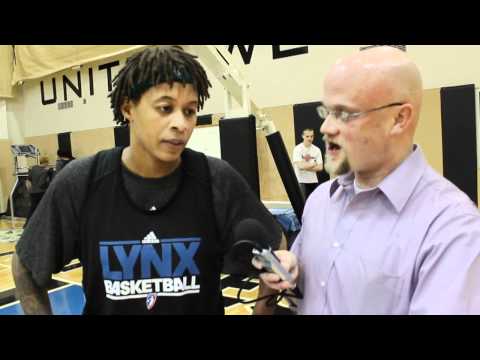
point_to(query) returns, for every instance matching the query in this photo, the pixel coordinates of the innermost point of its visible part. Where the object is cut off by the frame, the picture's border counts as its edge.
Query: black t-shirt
(50, 240)
(40, 177)
(164, 260)
(61, 163)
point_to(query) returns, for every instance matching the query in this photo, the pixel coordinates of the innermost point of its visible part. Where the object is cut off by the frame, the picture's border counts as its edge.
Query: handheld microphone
(250, 241)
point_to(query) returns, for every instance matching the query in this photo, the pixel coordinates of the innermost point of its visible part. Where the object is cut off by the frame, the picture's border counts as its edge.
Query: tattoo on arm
(34, 299)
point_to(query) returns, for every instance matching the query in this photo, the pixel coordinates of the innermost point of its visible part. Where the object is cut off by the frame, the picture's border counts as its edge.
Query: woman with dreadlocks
(152, 222)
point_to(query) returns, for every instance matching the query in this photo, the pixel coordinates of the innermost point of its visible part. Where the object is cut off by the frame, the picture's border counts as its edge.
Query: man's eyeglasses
(346, 116)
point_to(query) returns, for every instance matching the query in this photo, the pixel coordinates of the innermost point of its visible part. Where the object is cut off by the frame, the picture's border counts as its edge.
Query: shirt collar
(343, 181)
(399, 185)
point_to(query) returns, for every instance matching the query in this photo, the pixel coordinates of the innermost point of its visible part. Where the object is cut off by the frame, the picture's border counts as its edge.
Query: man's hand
(273, 281)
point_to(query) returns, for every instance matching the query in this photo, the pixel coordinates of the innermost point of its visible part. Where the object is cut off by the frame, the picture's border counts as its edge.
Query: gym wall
(5, 181)
(81, 96)
(47, 144)
(269, 70)
(271, 186)
(429, 129)
(6, 170)
(88, 142)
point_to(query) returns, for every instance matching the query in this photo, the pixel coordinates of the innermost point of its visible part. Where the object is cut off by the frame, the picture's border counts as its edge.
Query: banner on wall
(76, 99)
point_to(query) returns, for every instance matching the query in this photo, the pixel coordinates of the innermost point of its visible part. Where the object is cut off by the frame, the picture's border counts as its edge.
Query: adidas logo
(151, 238)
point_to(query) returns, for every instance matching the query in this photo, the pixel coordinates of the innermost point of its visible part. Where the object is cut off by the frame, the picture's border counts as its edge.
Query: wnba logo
(151, 300)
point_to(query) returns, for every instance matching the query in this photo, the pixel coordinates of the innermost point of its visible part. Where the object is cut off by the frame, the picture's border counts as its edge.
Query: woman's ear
(126, 109)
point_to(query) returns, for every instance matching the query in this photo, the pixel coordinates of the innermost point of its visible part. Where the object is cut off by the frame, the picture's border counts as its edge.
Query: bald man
(392, 236)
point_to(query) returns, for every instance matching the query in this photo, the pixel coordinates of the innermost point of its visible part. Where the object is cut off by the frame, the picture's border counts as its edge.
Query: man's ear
(403, 119)
(126, 109)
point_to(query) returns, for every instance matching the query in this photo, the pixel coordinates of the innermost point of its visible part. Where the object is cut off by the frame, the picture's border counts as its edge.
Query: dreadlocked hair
(154, 66)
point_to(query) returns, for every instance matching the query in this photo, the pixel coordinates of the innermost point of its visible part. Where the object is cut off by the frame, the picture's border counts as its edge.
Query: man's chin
(337, 167)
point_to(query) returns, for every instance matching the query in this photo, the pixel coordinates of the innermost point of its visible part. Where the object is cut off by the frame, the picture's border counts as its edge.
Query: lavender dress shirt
(411, 245)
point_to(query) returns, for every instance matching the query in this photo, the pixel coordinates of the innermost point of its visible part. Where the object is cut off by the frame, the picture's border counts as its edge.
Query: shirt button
(336, 244)
(323, 284)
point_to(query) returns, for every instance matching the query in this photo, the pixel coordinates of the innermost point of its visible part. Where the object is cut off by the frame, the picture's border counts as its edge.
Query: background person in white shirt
(307, 160)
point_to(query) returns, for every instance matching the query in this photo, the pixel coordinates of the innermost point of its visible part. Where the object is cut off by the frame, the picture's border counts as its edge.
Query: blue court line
(68, 300)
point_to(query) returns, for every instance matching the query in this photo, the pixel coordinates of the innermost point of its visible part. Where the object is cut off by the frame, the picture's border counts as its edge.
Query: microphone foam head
(253, 230)
(248, 234)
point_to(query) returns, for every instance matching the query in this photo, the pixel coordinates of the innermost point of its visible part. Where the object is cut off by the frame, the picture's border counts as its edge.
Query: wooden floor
(6, 249)
(7, 224)
(74, 276)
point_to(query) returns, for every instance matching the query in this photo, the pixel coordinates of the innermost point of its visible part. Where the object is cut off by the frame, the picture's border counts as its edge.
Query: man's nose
(329, 126)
